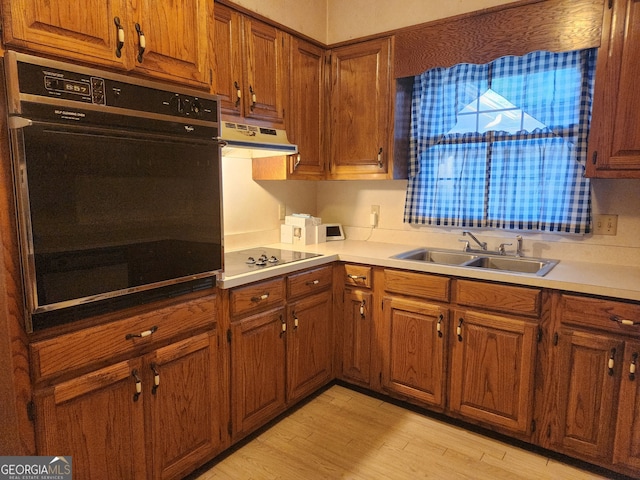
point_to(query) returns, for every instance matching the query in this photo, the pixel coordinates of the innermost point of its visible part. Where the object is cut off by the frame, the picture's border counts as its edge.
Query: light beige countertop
(615, 281)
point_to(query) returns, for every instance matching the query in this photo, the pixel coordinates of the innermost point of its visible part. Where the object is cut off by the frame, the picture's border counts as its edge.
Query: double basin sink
(520, 265)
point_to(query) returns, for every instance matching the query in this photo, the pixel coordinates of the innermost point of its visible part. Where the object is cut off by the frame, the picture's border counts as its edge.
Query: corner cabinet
(361, 107)
(165, 40)
(614, 146)
(250, 66)
(156, 414)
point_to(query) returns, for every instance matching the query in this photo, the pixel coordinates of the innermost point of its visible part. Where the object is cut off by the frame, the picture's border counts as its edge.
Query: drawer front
(256, 297)
(306, 283)
(358, 276)
(417, 285)
(104, 343)
(608, 315)
(504, 298)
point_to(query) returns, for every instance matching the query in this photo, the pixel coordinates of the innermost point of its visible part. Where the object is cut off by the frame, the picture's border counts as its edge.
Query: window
(503, 145)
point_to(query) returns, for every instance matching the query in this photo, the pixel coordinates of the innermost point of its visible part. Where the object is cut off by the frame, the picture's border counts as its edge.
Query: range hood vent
(249, 141)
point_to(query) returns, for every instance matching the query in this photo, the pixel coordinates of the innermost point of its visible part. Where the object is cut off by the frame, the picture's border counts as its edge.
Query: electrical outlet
(374, 216)
(605, 224)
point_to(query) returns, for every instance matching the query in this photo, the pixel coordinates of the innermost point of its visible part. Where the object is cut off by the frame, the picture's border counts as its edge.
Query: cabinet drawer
(504, 298)
(357, 276)
(308, 282)
(417, 285)
(609, 315)
(256, 297)
(130, 336)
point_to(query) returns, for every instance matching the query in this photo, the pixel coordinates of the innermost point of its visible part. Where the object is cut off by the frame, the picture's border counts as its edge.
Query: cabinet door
(360, 109)
(83, 30)
(265, 88)
(306, 119)
(183, 405)
(614, 148)
(627, 443)
(492, 370)
(257, 370)
(414, 350)
(97, 419)
(356, 336)
(175, 39)
(309, 345)
(587, 393)
(228, 79)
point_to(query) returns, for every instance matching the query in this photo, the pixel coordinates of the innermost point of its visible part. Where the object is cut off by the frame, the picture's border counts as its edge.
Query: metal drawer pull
(314, 282)
(142, 42)
(120, 34)
(356, 277)
(134, 374)
(264, 296)
(623, 321)
(632, 366)
(612, 362)
(156, 378)
(146, 333)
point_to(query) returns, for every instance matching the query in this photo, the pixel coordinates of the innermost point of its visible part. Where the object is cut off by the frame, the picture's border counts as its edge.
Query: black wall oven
(117, 185)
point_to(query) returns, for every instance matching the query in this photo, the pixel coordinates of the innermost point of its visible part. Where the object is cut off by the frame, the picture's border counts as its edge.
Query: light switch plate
(605, 224)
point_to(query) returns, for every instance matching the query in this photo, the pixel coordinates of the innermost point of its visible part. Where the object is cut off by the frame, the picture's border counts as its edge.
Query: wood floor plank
(344, 434)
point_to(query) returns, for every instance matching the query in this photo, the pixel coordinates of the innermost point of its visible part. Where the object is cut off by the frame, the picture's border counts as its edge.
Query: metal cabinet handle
(142, 42)
(439, 325)
(138, 384)
(312, 282)
(612, 361)
(459, 329)
(283, 326)
(146, 333)
(356, 277)
(264, 296)
(156, 378)
(254, 99)
(295, 320)
(623, 321)
(120, 35)
(380, 158)
(238, 93)
(632, 366)
(297, 162)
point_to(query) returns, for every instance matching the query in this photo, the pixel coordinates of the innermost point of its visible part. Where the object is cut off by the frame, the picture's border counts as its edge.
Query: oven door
(105, 212)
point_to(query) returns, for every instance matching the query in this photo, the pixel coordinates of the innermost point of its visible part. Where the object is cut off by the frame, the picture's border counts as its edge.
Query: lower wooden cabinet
(492, 369)
(356, 329)
(155, 416)
(626, 451)
(414, 361)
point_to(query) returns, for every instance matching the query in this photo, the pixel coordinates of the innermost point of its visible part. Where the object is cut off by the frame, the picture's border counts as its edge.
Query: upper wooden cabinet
(166, 40)
(614, 145)
(250, 66)
(360, 117)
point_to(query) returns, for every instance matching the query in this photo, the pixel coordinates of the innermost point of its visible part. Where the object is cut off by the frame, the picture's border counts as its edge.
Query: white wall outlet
(374, 216)
(605, 224)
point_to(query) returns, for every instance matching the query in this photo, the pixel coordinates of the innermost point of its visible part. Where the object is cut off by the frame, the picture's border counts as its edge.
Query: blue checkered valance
(503, 145)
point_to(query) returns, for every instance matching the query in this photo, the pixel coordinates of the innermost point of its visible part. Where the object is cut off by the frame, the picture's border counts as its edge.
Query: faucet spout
(483, 245)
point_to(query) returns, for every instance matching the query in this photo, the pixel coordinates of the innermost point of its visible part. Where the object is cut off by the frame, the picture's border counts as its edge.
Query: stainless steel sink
(444, 257)
(539, 267)
(533, 266)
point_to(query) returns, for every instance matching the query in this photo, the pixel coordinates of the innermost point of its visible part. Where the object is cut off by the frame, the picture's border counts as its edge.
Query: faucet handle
(466, 244)
(501, 247)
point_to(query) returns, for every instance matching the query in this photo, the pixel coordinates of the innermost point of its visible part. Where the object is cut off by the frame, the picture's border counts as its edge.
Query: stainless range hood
(249, 141)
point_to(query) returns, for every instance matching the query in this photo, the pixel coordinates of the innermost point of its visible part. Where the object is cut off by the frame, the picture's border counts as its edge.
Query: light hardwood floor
(345, 434)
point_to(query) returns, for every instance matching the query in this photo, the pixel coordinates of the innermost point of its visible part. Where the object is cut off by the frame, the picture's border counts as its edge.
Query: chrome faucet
(483, 245)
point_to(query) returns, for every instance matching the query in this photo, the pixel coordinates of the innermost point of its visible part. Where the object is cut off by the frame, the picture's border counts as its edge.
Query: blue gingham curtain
(524, 180)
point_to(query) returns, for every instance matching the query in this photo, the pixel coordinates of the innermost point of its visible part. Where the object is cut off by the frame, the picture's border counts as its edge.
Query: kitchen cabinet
(360, 123)
(153, 415)
(598, 398)
(357, 327)
(414, 362)
(494, 355)
(250, 66)
(166, 40)
(279, 354)
(614, 145)
(305, 122)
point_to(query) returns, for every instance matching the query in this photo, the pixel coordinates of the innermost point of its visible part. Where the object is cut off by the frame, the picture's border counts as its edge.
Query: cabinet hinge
(31, 411)
(229, 335)
(533, 426)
